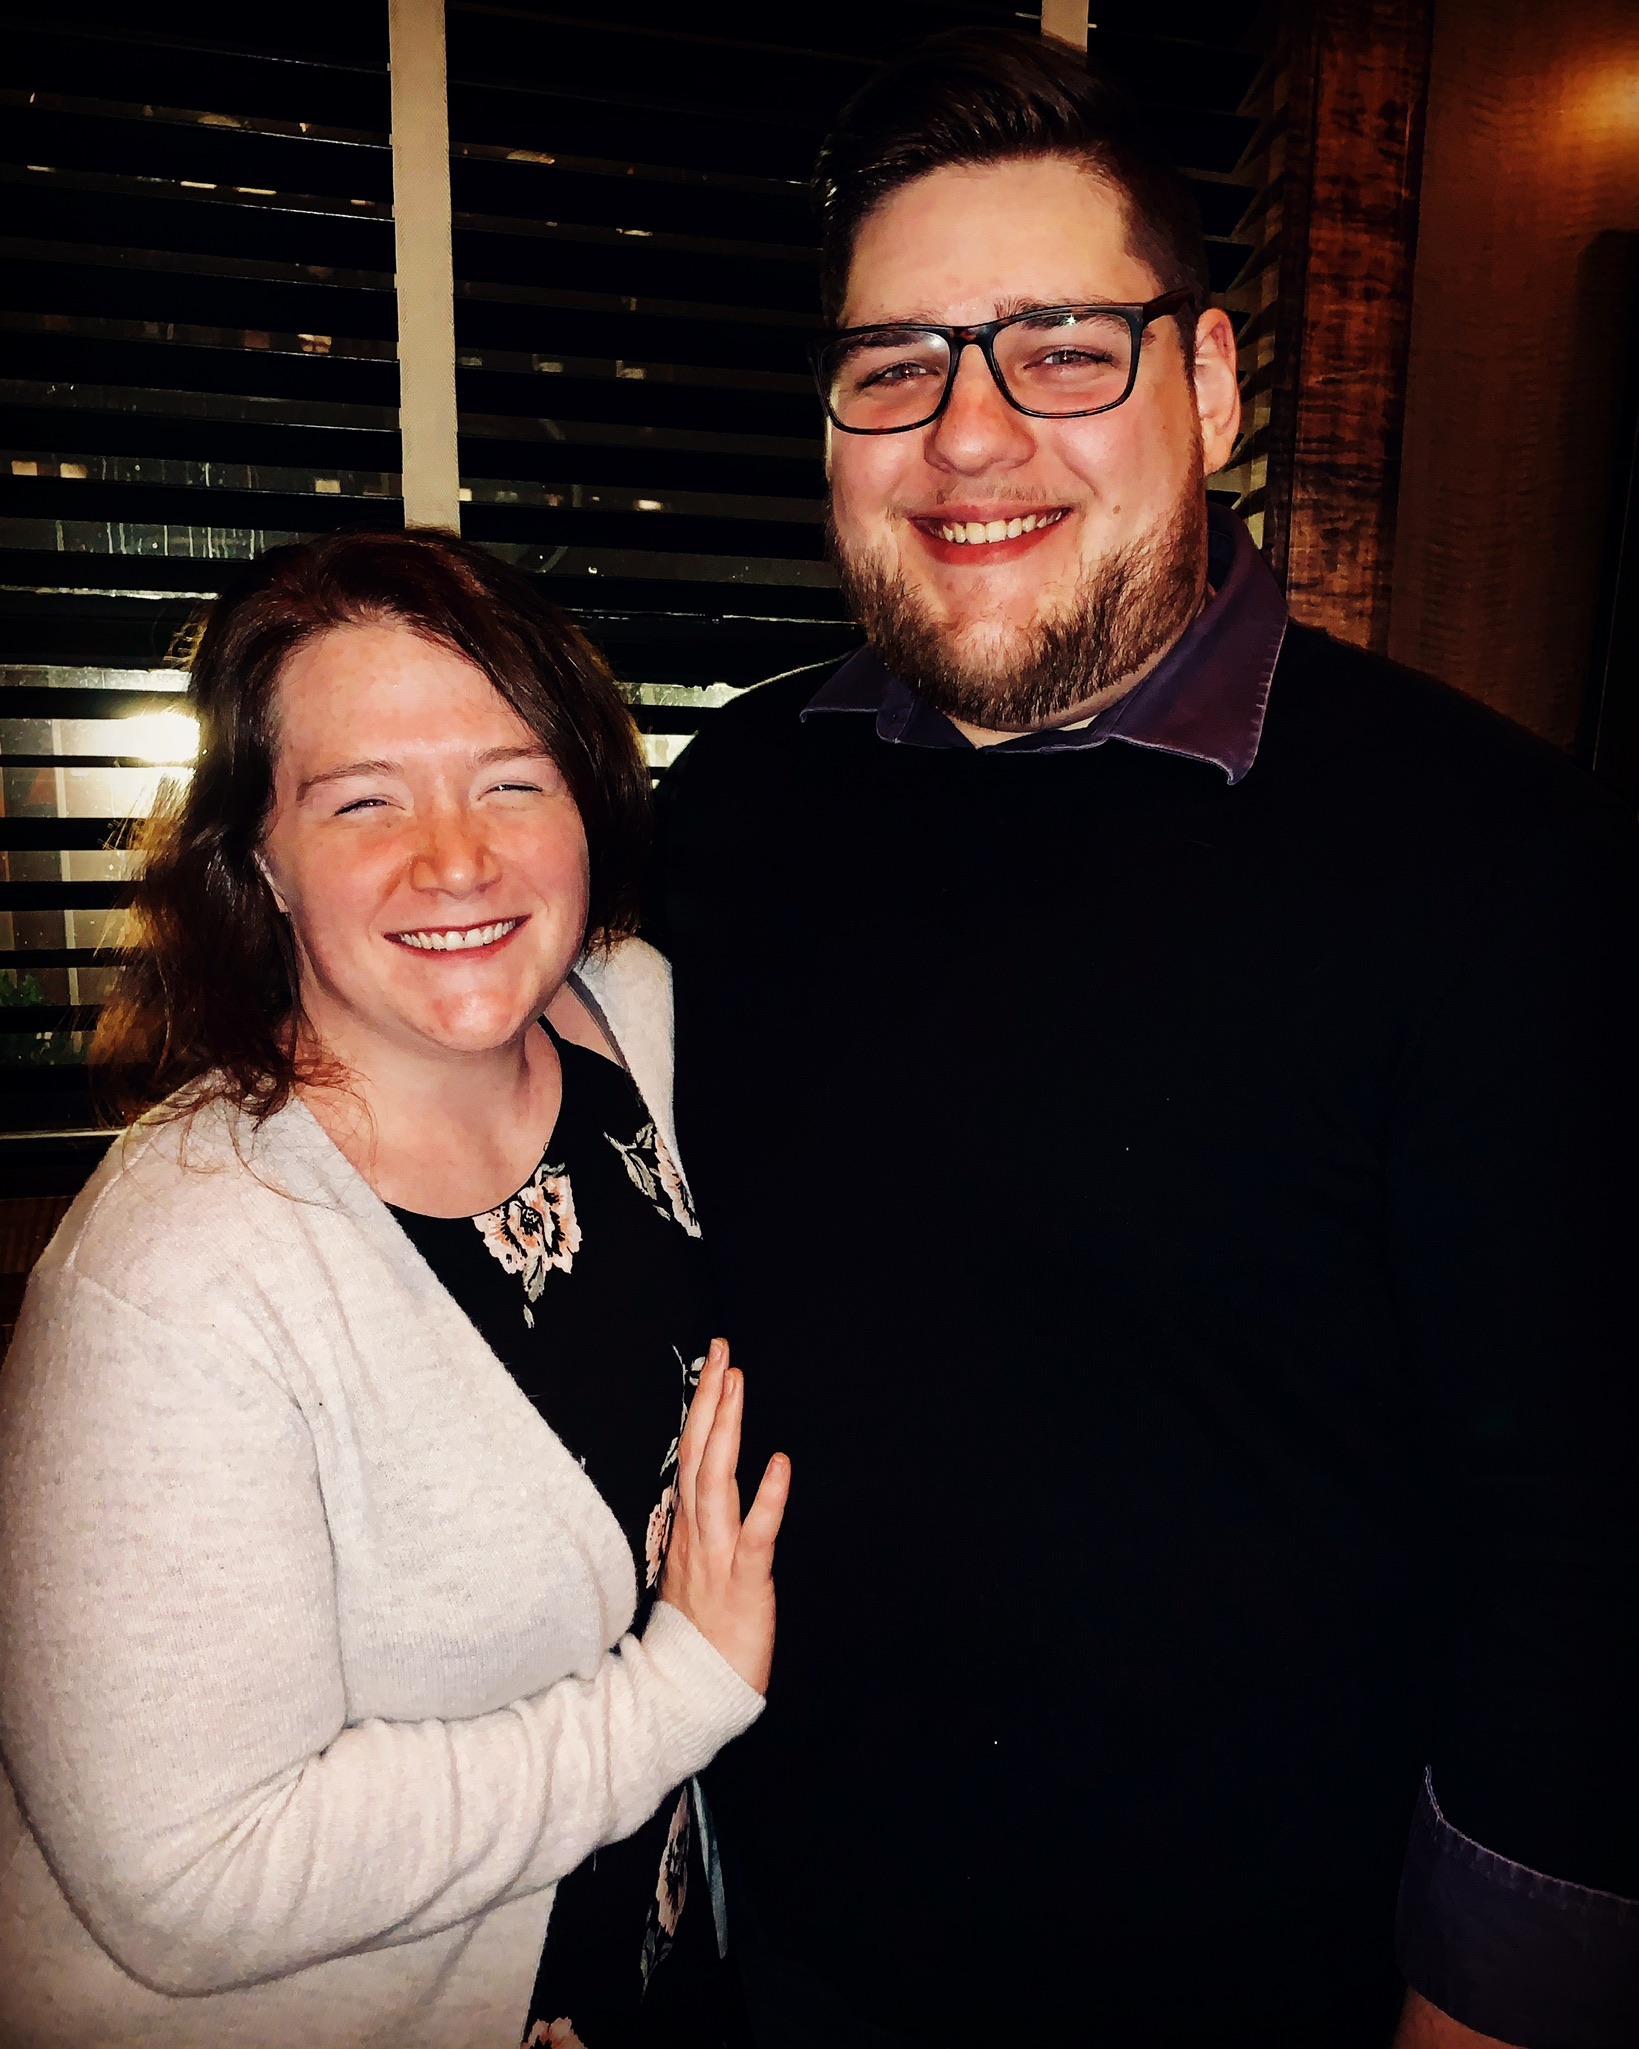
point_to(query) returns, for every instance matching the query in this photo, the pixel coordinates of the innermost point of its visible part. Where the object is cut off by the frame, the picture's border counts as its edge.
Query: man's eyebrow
(1005, 309)
(532, 750)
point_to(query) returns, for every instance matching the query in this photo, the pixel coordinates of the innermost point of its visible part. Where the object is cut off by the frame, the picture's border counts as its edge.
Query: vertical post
(1065, 21)
(1356, 93)
(425, 267)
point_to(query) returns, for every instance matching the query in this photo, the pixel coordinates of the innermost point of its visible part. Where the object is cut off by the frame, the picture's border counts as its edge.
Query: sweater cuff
(711, 1703)
(1512, 1952)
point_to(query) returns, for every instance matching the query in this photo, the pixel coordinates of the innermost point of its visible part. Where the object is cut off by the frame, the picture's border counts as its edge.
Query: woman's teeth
(458, 940)
(985, 530)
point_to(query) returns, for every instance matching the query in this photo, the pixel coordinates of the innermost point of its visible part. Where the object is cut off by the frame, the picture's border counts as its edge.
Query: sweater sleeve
(1511, 1214)
(172, 1698)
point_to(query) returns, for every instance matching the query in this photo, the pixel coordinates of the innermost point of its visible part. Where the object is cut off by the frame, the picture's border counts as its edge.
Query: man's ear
(273, 887)
(1217, 388)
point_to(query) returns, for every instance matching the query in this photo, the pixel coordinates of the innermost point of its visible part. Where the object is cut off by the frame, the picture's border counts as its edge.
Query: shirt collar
(1205, 699)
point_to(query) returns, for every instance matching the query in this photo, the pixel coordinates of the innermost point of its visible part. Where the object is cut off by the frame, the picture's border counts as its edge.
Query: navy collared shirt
(1204, 699)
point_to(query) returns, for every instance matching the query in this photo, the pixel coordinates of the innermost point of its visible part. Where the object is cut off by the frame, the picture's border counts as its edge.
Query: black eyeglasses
(1056, 363)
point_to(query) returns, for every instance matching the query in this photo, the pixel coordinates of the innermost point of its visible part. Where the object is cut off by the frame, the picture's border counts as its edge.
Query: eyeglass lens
(1061, 363)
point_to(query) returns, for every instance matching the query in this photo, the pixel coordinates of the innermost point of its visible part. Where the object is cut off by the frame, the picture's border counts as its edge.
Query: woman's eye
(361, 804)
(528, 789)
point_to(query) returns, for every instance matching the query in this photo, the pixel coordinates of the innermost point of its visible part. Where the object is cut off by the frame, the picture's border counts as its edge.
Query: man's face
(1116, 560)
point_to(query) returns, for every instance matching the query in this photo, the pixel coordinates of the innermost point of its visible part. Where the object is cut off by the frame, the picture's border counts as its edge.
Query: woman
(342, 1435)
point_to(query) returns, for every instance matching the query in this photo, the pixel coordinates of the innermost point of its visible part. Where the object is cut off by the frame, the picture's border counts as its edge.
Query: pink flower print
(672, 1886)
(677, 1192)
(655, 1173)
(671, 1889)
(534, 1231)
(659, 1534)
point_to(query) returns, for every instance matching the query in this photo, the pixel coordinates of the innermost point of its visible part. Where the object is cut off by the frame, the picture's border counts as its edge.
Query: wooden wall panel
(1522, 349)
(1358, 78)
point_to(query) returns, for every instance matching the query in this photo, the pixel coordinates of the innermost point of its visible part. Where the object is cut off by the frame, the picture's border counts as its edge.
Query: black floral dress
(589, 1285)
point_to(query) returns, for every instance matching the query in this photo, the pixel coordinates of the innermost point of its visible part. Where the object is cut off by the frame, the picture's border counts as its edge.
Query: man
(1159, 1089)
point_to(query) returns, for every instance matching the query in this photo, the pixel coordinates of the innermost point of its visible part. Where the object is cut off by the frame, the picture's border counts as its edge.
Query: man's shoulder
(770, 711)
(1346, 719)
(735, 769)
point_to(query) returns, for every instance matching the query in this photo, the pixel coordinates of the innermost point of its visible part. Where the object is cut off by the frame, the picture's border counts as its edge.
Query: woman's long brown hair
(207, 1003)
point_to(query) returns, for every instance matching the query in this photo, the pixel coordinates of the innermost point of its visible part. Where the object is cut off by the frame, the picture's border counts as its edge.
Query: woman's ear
(273, 887)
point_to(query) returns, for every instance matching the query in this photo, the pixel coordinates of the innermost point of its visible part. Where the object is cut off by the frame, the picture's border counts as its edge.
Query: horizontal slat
(155, 474)
(45, 835)
(49, 1017)
(206, 545)
(256, 411)
(23, 960)
(158, 402)
(57, 701)
(194, 263)
(65, 896)
(313, 348)
(176, 192)
(190, 117)
(188, 334)
(635, 565)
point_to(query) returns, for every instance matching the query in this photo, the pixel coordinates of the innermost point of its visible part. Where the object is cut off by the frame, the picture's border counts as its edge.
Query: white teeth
(457, 939)
(981, 533)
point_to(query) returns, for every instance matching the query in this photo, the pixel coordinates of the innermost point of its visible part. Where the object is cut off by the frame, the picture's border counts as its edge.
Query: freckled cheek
(335, 906)
(557, 870)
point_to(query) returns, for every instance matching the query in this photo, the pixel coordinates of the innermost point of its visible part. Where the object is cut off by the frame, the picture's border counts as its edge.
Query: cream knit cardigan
(313, 1668)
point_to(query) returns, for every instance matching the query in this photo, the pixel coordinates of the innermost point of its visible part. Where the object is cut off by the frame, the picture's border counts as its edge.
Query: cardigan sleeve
(172, 1701)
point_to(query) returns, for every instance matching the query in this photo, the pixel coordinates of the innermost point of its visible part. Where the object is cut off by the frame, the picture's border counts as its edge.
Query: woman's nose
(452, 855)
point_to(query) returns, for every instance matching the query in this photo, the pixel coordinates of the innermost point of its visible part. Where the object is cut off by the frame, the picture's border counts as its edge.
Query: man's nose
(978, 429)
(452, 854)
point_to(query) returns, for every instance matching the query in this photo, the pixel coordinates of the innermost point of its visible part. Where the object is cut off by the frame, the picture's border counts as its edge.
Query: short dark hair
(208, 993)
(981, 96)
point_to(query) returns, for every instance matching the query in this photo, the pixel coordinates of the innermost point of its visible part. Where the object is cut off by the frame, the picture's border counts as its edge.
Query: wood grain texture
(1521, 347)
(1359, 75)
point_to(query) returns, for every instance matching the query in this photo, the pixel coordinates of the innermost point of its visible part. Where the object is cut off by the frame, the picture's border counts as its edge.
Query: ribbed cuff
(1512, 1952)
(712, 1704)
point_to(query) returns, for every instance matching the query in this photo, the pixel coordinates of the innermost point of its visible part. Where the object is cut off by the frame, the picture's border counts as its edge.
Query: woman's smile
(465, 939)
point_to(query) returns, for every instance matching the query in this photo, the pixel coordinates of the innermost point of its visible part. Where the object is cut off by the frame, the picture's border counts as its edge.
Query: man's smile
(974, 534)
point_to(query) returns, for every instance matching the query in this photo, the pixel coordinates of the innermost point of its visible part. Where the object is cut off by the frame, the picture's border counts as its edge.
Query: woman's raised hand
(720, 1569)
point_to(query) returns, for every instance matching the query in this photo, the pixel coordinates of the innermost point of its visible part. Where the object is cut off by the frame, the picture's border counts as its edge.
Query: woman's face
(424, 846)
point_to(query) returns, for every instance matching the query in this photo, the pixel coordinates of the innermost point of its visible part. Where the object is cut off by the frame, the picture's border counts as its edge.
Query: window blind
(197, 360)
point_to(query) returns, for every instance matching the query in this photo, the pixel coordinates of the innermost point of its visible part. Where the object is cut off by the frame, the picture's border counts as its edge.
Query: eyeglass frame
(983, 337)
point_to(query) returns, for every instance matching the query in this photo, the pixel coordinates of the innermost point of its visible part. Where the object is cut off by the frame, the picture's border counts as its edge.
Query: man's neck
(1089, 708)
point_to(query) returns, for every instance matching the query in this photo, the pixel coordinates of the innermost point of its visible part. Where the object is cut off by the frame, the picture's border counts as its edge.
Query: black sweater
(1184, 1235)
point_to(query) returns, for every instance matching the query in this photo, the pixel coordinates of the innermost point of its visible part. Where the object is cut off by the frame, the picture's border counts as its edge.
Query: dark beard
(1127, 611)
